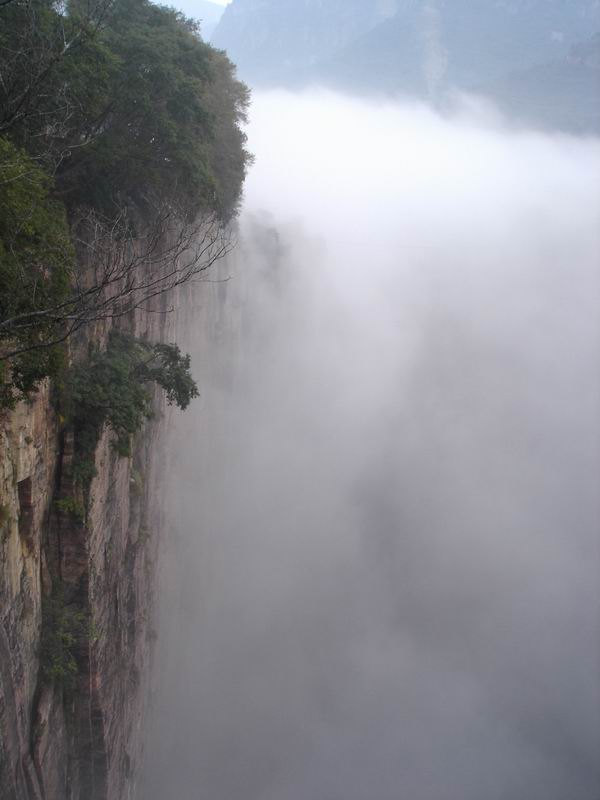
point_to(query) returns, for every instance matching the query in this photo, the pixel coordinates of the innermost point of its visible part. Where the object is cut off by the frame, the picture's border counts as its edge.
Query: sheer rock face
(28, 461)
(84, 743)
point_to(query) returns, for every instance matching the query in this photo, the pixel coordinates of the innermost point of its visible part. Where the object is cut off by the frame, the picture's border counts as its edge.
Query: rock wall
(29, 457)
(80, 741)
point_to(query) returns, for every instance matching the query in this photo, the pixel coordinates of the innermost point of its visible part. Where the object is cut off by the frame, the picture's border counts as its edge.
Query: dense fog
(382, 578)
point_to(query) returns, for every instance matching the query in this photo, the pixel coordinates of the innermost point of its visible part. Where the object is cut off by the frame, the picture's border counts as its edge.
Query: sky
(193, 9)
(382, 574)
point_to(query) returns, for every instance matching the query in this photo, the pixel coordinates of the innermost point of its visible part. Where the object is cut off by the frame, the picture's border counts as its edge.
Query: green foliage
(152, 127)
(64, 627)
(36, 266)
(110, 111)
(84, 468)
(110, 389)
(55, 72)
(123, 101)
(164, 364)
(228, 101)
(69, 505)
(4, 515)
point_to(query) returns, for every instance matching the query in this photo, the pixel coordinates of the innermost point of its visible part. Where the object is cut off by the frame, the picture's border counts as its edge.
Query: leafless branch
(122, 270)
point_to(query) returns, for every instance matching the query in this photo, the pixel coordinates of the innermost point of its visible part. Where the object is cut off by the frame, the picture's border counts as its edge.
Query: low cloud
(383, 579)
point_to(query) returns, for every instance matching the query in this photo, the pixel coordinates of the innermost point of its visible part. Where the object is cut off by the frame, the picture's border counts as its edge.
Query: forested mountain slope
(207, 12)
(422, 48)
(116, 121)
(277, 42)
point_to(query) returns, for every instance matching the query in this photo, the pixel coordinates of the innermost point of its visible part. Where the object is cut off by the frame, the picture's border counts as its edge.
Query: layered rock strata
(79, 739)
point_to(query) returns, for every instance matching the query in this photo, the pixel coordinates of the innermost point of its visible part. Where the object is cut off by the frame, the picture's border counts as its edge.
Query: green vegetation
(64, 627)
(4, 515)
(36, 267)
(69, 505)
(120, 131)
(111, 389)
(121, 99)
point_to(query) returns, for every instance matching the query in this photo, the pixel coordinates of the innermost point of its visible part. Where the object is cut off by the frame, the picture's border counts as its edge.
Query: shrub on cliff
(36, 268)
(116, 115)
(64, 627)
(111, 389)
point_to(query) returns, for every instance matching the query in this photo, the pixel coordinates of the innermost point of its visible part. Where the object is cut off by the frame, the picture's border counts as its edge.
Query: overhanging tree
(136, 124)
(110, 388)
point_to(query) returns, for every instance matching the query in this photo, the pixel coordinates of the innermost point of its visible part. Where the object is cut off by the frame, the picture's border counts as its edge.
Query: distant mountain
(427, 47)
(561, 94)
(208, 13)
(276, 41)
(421, 48)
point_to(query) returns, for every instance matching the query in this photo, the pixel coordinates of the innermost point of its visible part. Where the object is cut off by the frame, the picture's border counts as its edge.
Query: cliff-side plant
(64, 627)
(117, 111)
(74, 508)
(111, 388)
(36, 264)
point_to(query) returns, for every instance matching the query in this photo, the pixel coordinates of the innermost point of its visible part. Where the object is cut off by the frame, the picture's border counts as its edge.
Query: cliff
(79, 738)
(122, 159)
(518, 53)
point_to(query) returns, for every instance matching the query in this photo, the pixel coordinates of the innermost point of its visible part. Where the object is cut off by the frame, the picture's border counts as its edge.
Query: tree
(117, 117)
(53, 69)
(110, 389)
(36, 271)
(166, 366)
(122, 266)
(121, 101)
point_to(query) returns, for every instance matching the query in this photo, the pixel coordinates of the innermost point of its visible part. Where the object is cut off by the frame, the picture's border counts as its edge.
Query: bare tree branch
(121, 270)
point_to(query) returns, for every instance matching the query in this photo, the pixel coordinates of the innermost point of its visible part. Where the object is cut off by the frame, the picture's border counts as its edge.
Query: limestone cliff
(78, 740)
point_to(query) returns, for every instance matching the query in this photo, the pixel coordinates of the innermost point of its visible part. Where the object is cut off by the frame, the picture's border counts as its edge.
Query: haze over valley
(382, 577)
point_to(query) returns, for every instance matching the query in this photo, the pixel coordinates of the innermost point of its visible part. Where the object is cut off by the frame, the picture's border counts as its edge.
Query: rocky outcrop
(29, 457)
(80, 567)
